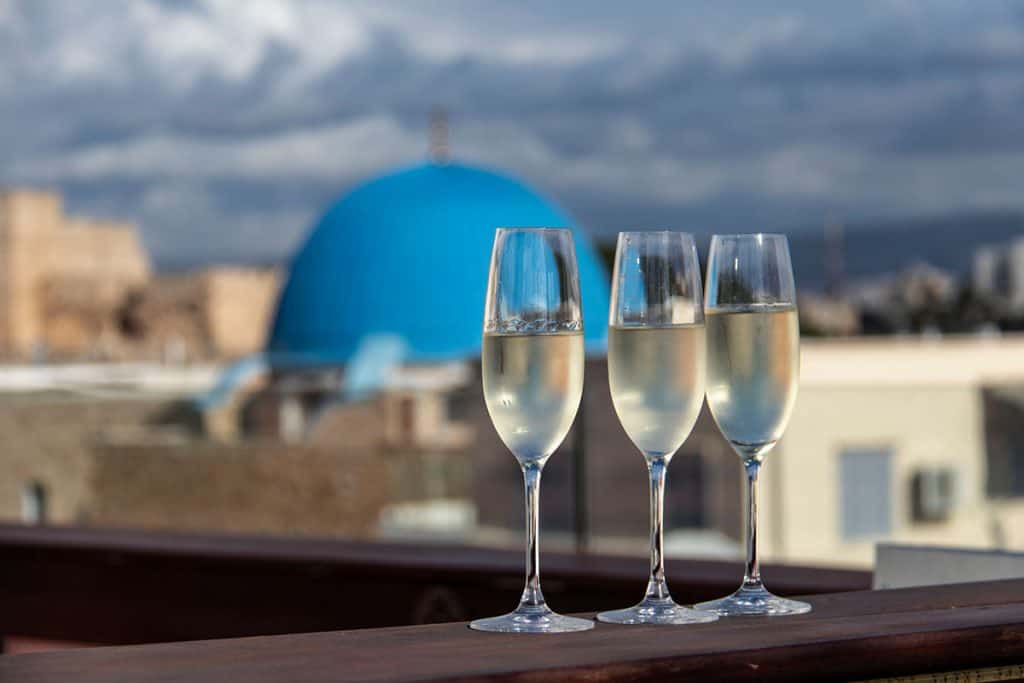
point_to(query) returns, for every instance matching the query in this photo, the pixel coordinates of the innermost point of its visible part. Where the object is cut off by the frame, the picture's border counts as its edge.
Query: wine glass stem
(532, 597)
(657, 588)
(752, 575)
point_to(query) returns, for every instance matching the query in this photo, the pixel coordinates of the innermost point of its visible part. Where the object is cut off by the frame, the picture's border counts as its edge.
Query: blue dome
(407, 254)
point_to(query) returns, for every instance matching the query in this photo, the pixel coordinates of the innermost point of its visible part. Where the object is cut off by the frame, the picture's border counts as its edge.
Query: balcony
(119, 587)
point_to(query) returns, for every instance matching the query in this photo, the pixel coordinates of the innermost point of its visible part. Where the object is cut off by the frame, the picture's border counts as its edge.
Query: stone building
(210, 314)
(76, 288)
(96, 452)
(61, 275)
(365, 397)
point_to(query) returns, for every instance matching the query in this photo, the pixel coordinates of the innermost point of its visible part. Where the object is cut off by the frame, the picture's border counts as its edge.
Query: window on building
(1004, 442)
(865, 493)
(33, 503)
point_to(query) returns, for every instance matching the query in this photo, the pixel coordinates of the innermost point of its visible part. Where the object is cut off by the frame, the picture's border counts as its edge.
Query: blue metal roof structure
(407, 254)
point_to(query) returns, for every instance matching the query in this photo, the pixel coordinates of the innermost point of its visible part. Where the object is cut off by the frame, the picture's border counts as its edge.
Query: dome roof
(407, 254)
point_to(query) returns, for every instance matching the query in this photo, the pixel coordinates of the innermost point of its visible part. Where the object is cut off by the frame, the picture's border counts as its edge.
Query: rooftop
(948, 361)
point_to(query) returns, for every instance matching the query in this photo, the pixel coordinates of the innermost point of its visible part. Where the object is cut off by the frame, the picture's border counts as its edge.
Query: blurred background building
(253, 352)
(77, 288)
(349, 402)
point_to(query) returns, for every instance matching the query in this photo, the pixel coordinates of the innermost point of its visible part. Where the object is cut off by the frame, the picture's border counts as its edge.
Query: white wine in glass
(532, 360)
(656, 371)
(656, 376)
(753, 372)
(532, 385)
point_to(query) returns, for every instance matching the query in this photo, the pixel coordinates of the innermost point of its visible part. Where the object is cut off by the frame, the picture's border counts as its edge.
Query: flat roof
(946, 361)
(109, 380)
(861, 362)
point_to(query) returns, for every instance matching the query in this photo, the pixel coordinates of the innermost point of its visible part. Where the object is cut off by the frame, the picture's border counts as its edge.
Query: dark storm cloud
(224, 127)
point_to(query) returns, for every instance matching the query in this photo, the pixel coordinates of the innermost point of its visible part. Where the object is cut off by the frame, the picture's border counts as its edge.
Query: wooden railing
(123, 587)
(967, 632)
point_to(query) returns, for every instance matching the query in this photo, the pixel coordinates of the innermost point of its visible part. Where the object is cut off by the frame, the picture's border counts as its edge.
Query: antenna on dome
(438, 151)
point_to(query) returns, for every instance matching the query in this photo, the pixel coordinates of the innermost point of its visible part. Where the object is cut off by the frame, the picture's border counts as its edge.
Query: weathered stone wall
(29, 220)
(46, 256)
(239, 303)
(167, 317)
(250, 487)
(84, 288)
(215, 314)
(98, 250)
(106, 462)
(79, 317)
(50, 439)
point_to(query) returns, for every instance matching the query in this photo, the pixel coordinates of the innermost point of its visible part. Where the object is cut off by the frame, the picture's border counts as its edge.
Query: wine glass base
(749, 602)
(532, 620)
(662, 612)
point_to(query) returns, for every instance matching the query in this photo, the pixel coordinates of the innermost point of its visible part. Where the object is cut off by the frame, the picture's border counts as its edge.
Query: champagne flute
(533, 380)
(753, 372)
(656, 369)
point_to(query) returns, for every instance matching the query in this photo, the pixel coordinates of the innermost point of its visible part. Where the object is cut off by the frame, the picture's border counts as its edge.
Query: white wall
(921, 425)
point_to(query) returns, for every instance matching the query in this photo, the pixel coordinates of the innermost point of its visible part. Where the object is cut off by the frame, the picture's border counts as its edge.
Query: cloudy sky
(224, 127)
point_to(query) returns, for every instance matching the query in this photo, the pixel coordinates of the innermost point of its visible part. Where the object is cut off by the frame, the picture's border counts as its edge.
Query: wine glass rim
(656, 232)
(748, 235)
(515, 228)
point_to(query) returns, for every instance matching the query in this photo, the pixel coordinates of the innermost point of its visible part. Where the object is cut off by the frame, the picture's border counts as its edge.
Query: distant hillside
(873, 249)
(876, 249)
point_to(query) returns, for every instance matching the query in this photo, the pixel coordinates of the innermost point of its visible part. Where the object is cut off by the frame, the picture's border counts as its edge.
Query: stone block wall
(239, 304)
(28, 222)
(50, 439)
(250, 487)
(44, 254)
(73, 288)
